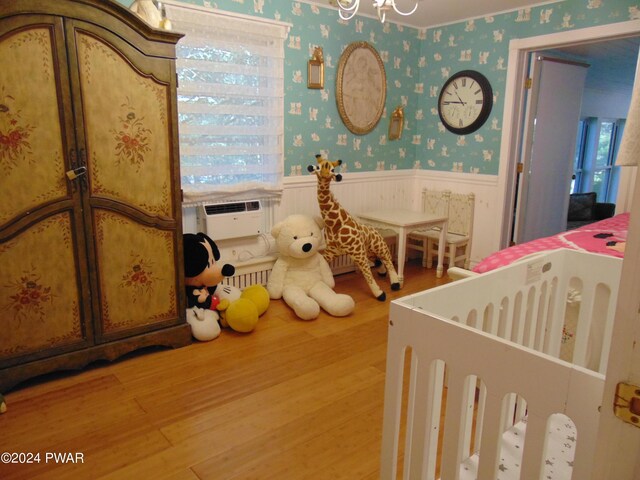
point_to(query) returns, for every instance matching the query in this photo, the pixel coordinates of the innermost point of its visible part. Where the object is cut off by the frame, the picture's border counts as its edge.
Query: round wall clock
(465, 102)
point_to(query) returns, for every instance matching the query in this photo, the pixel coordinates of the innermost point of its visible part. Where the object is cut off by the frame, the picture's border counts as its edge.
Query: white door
(549, 140)
(618, 446)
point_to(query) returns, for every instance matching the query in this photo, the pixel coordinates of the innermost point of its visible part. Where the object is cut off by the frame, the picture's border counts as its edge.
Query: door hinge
(520, 168)
(626, 405)
(528, 83)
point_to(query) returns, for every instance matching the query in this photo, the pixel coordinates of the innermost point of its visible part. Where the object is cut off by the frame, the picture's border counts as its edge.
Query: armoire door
(124, 109)
(44, 291)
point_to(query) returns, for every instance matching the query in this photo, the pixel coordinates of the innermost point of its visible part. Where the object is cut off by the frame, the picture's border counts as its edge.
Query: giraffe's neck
(332, 213)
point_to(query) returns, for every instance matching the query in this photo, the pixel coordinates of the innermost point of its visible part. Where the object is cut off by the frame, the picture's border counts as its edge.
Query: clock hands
(463, 103)
(448, 102)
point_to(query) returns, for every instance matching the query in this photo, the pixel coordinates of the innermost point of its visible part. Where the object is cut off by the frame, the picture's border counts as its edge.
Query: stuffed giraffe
(344, 234)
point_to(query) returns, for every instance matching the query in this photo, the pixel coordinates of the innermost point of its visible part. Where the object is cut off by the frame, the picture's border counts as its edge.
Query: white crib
(493, 344)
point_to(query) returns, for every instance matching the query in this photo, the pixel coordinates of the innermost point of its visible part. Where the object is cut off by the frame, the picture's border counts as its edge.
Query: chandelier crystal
(348, 8)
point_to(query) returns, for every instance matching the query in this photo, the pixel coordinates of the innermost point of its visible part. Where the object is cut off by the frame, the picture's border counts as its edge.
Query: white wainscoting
(358, 192)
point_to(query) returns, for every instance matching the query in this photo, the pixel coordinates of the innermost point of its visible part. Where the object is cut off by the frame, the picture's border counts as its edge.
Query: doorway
(514, 114)
(549, 138)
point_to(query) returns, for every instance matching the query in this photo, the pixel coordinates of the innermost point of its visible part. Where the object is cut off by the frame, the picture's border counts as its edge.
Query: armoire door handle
(76, 172)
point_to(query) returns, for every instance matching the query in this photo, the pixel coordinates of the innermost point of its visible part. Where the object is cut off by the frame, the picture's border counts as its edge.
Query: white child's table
(403, 222)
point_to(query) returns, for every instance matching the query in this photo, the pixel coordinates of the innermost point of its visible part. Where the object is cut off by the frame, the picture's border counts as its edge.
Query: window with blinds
(594, 166)
(230, 103)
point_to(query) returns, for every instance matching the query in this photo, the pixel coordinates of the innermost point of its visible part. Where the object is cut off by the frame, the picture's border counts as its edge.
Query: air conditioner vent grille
(253, 206)
(219, 208)
(226, 220)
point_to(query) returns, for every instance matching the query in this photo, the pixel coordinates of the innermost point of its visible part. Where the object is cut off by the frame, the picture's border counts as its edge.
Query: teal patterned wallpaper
(483, 44)
(312, 121)
(417, 62)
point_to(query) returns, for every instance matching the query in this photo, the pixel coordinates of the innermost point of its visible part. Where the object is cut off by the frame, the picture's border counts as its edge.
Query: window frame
(585, 169)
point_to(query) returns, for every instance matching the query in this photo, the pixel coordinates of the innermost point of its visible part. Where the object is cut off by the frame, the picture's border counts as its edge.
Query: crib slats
(584, 320)
(435, 409)
(607, 330)
(482, 401)
(468, 404)
(420, 436)
(532, 457)
(393, 402)
(455, 424)
(491, 435)
(557, 314)
(583, 404)
(516, 383)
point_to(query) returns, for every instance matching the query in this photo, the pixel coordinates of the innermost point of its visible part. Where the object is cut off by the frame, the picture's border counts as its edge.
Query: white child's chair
(460, 208)
(459, 231)
(437, 203)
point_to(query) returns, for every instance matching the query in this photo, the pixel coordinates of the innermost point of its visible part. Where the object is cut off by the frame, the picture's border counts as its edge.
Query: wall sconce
(396, 123)
(315, 69)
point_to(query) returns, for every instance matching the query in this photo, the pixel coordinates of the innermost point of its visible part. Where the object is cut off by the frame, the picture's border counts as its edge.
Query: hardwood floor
(292, 400)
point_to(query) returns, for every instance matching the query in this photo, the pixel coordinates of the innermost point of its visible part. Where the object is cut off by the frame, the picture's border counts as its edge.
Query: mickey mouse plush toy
(202, 277)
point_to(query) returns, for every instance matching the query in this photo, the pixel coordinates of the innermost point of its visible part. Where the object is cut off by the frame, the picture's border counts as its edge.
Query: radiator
(256, 272)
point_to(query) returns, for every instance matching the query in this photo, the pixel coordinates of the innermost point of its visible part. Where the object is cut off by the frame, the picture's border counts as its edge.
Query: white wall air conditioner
(222, 221)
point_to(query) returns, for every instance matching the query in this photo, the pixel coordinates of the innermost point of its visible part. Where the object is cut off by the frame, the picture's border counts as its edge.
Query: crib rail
(494, 342)
(527, 303)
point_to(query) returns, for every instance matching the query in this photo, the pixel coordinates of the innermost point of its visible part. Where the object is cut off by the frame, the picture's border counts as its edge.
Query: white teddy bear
(301, 276)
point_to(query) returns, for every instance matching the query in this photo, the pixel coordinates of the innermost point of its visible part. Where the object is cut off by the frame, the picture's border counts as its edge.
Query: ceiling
(612, 63)
(431, 13)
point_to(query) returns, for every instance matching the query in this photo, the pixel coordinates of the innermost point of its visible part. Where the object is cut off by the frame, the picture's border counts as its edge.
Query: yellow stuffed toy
(244, 307)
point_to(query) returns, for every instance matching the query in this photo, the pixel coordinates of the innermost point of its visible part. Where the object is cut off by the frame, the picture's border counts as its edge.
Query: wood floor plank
(252, 459)
(293, 399)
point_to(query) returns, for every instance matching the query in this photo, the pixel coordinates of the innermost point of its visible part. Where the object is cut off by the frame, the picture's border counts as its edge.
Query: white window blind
(230, 104)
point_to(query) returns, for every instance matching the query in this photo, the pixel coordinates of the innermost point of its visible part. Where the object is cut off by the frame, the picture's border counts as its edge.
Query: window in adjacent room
(594, 167)
(230, 103)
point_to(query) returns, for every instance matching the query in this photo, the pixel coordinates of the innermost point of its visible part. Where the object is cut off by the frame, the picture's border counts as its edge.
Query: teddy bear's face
(298, 237)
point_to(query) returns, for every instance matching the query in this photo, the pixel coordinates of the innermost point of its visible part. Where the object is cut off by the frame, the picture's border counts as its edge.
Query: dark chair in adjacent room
(584, 209)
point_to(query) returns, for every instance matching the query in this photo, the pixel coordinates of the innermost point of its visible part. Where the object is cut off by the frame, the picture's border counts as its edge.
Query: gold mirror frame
(396, 123)
(315, 69)
(361, 88)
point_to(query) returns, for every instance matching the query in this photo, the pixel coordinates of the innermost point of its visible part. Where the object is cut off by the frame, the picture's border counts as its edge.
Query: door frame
(514, 108)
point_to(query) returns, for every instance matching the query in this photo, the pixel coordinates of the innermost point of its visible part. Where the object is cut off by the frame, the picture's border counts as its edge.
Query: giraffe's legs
(380, 268)
(393, 275)
(384, 256)
(362, 262)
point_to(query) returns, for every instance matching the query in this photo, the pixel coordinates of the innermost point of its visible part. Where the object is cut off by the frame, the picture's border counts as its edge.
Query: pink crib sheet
(606, 237)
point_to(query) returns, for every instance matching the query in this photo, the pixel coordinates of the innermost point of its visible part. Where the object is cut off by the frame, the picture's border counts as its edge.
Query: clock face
(465, 102)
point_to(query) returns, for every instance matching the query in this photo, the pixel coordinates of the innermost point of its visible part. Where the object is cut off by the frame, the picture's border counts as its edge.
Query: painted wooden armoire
(90, 213)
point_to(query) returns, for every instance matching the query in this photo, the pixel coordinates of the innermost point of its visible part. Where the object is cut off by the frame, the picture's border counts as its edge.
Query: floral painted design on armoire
(90, 221)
